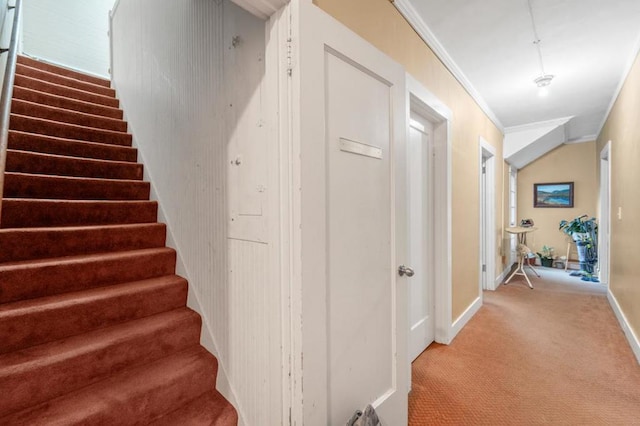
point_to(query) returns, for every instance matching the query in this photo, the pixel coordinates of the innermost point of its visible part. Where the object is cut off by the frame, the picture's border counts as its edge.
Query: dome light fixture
(542, 82)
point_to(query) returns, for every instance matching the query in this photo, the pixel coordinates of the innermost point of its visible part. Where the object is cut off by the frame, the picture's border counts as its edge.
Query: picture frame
(553, 195)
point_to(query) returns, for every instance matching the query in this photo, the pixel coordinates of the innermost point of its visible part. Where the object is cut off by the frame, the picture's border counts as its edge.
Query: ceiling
(588, 45)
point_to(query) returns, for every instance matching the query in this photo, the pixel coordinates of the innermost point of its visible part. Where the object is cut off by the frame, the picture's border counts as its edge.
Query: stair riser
(64, 116)
(26, 214)
(67, 131)
(72, 148)
(208, 409)
(65, 103)
(28, 244)
(43, 187)
(25, 328)
(54, 78)
(39, 382)
(67, 92)
(27, 162)
(63, 71)
(21, 282)
(148, 394)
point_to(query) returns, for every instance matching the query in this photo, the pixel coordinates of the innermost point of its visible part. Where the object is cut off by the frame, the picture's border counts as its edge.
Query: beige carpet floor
(552, 355)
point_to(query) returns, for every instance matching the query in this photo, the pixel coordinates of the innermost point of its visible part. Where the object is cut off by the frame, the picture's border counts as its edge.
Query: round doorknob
(405, 270)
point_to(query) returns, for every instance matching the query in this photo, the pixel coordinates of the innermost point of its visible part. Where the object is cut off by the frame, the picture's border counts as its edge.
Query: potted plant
(546, 256)
(585, 233)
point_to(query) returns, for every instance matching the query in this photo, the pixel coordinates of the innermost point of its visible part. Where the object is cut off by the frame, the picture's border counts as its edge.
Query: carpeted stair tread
(47, 371)
(30, 279)
(27, 213)
(68, 92)
(68, 131)
(22, 93)
(22, 69)
(24, 185)
(94, 327)
(209, 409)
(34, 63)
(41, 243)
(24, 141)
(60, 165)
(33, 322)
(134, 396)
(62, 115)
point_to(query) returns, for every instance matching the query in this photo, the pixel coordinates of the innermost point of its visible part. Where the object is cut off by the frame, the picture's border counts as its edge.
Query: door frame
(301, 170)
(424, 103)
(487, 280)
(604, 245)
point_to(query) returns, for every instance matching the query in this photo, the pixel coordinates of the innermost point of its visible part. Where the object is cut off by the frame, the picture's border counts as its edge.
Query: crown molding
(407, 10)
(623, 78)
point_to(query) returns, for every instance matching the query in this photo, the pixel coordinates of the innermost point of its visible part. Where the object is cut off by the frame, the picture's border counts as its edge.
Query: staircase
(94, 327)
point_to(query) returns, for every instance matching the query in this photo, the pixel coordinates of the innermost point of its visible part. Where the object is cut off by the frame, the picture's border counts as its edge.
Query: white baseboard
(502, 277)
(463, 319)
(634, 342)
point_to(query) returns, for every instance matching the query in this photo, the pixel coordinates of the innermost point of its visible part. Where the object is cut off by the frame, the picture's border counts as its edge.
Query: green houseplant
(585, 233)
(546, 256)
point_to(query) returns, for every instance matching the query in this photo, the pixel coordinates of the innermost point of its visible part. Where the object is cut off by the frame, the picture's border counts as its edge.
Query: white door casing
(486, 178)
(604, 228)
(424, 103)
(420, 233)
(513, 213)
(349, 223)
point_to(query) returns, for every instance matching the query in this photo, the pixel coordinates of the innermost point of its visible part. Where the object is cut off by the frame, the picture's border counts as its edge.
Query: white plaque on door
(359, 148)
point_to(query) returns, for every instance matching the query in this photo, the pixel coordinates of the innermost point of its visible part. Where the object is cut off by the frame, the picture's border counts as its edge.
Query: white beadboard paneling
(190, 78)
(70, 33)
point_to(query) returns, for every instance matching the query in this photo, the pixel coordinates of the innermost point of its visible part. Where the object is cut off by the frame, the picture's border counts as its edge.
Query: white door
(483, 224)
(487, 217)
(421, 286)
(605, 214)
(348, 111)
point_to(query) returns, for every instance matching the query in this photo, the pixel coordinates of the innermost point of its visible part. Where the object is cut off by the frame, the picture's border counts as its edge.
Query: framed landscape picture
(558, 194)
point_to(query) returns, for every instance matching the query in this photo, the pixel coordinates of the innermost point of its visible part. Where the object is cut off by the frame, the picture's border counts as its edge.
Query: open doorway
(487, 216)
(420, 229)
(429, 218)
(605, 214)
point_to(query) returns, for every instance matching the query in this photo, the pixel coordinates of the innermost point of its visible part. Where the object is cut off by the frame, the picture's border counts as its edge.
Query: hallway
(552, 355)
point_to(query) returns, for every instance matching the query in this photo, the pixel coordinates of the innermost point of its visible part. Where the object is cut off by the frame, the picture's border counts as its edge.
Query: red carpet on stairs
(94, 327)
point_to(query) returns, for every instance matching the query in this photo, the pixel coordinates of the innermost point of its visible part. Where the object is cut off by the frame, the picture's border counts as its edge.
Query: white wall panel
(190, 76)
(71, 33)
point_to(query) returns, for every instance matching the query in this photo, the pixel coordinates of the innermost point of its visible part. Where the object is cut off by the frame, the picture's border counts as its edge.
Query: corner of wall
(463, 319)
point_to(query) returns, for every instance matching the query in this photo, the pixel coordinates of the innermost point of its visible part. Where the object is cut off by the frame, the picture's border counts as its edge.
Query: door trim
(486, 150)
(605, 213)
(307, 223)
(426, 104)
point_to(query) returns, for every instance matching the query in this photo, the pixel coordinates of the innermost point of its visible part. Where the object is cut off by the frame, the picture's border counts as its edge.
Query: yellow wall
(384, 27)
(622, 128)
(567, 163)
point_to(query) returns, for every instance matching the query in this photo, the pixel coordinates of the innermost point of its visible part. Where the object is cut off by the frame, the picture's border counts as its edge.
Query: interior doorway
(487, 216)
(420, 229)
(605, 215)
(429, 120)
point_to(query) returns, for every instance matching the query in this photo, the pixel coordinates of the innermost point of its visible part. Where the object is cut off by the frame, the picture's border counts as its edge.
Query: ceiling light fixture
(544, 79)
